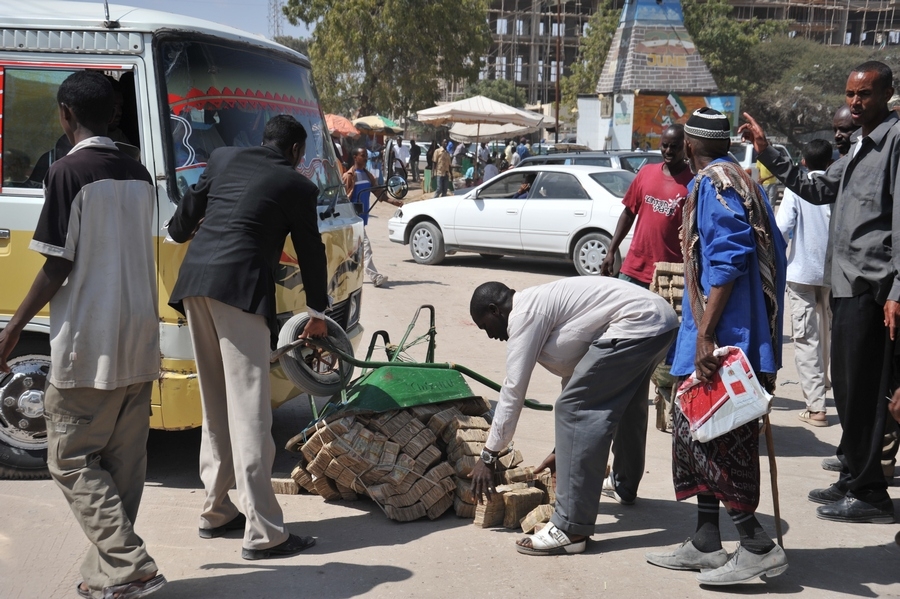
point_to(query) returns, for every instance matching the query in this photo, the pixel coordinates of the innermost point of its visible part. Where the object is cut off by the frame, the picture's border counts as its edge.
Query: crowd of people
(603, 336)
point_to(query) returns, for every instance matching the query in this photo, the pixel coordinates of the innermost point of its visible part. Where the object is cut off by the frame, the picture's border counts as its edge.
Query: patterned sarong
(727, 466)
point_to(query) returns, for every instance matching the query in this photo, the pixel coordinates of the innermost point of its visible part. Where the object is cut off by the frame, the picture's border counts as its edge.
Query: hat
(708, 124)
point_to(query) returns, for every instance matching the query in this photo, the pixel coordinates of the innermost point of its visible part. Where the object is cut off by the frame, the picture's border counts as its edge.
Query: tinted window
(615, 182)
(634, 163)
(590, 161)
(508, 186)
(32, 136)
(560, 186)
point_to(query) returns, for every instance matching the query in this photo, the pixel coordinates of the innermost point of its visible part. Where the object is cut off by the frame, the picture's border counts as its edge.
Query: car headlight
(353, 309)
(398, 213)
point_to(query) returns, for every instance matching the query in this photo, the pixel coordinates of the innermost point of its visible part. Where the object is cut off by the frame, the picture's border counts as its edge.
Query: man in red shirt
(656, 195)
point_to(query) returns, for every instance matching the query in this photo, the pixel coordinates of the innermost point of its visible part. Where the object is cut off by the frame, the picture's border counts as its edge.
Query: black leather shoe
(292, 546)
(832, 464)
(851, 509)
(829, 495)
(239, 522)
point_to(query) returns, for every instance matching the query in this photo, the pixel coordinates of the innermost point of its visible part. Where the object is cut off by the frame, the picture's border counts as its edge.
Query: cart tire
(317, 378)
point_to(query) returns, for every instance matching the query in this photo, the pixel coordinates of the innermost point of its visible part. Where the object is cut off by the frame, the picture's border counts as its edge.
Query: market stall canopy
(340, 125)
(479, 110)
(472, 133)
(378, 123)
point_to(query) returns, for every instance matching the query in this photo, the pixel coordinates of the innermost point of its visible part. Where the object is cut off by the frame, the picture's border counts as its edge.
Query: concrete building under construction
(526, 32)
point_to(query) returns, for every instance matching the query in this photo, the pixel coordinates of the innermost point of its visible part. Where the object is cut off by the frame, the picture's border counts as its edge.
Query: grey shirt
(864, 224)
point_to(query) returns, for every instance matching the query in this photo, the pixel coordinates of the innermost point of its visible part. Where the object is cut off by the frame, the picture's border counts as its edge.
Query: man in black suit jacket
(242, 208)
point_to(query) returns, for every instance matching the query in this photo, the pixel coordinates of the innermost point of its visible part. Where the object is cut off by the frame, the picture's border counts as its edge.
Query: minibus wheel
(23, 431)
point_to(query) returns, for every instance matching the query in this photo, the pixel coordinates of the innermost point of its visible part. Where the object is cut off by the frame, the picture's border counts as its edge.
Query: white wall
(588, 127)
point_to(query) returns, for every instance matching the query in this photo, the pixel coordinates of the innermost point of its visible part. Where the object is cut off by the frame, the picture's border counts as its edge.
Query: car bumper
(396, 230)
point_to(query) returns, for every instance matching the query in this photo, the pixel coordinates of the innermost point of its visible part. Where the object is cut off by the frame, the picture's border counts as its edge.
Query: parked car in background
(745, 155)
(629, 161)
(569, 213)
(542, 148)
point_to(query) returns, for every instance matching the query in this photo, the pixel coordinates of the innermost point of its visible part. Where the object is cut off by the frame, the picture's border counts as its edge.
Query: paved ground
(361, 553)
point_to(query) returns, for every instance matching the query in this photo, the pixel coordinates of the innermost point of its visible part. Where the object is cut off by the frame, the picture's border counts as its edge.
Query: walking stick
(773, 474)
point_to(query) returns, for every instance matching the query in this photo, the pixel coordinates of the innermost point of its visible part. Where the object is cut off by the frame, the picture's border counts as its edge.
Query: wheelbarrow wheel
(315, 371)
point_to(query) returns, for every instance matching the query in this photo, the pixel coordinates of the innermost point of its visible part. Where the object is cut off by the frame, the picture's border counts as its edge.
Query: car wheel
(491, 256)
(426, 243)
(590, 251)
(23, 431)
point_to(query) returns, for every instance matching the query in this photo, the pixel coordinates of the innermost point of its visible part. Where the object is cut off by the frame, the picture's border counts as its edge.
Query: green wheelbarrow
(324, 367)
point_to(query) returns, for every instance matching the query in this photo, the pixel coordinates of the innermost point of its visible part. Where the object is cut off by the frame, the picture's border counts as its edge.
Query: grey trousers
(236, 447)
(97, 454)
(606, 397)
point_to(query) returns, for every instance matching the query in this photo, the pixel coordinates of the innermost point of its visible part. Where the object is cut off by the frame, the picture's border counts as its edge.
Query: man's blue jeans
(442, 182)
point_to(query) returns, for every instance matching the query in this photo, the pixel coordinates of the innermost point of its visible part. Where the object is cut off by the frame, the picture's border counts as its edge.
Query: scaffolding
(831, 22)
(524, 34)
(524, 47)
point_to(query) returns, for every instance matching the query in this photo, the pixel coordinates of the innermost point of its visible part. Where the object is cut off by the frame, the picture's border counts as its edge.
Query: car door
(558, 205)
(490, 217)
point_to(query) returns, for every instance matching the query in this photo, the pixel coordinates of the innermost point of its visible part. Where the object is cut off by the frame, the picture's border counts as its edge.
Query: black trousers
(861, 369)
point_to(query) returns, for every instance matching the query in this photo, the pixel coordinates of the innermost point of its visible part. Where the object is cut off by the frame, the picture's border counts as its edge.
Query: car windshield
(223, 96)
(615, 182)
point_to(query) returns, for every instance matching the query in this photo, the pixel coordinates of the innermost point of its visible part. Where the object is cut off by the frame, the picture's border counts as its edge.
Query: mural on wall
(665, 48)
(652, 113)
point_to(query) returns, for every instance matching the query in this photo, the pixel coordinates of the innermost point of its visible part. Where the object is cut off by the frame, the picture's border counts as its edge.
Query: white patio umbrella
(478, 111)
(469, 133)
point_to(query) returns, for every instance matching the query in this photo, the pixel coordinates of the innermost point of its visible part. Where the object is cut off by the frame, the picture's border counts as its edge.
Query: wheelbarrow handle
(324, 344)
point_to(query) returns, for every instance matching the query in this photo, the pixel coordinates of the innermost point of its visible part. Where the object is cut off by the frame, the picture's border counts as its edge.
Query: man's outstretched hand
(752, 132)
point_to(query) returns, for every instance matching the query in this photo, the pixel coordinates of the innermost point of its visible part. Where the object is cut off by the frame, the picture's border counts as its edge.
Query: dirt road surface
(361, 553)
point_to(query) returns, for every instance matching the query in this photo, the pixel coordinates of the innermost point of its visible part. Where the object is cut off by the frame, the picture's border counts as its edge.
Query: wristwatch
(488, 457)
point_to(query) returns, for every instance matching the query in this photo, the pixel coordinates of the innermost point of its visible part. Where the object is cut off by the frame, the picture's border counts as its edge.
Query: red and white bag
(732, 398)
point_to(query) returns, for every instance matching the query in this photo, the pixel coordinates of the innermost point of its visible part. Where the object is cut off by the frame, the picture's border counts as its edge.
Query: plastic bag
(732, 398)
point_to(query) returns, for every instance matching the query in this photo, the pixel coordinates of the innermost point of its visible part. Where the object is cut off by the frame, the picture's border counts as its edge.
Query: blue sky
(249, 15)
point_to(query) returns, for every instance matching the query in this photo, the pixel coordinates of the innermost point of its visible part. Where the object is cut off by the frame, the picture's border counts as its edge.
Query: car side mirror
(397, 187)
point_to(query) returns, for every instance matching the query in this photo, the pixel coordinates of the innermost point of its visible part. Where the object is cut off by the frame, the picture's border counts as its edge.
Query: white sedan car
(566, 212)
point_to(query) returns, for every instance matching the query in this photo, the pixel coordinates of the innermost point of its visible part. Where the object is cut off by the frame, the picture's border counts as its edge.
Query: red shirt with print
(657, 199)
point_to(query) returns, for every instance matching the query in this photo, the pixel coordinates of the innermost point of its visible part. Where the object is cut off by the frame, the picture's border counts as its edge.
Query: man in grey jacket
(864, 274)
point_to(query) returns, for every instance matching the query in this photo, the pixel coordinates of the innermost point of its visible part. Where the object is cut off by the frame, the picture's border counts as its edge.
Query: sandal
(135, 588)
(813, 418)
(551, 541)
(84, 594)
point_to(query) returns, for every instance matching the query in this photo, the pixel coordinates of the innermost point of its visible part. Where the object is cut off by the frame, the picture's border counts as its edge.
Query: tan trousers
(371, 271)
(236, 448)
(811, 326)
(97, 454)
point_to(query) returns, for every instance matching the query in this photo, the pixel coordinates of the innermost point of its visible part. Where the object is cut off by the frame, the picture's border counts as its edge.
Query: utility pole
(276, 18)
(559, 31)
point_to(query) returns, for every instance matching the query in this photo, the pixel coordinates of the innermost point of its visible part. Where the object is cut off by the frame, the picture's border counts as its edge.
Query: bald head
(843, 127)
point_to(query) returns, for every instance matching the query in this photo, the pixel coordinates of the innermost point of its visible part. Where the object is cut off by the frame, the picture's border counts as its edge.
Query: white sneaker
(379, 280)
(609, 489)
(745, 566)
(688, 557)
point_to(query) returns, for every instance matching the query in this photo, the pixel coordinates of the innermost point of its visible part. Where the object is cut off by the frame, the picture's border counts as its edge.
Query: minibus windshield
(219, 95)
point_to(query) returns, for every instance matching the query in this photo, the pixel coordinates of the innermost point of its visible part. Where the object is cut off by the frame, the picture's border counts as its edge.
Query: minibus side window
(32, 136)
